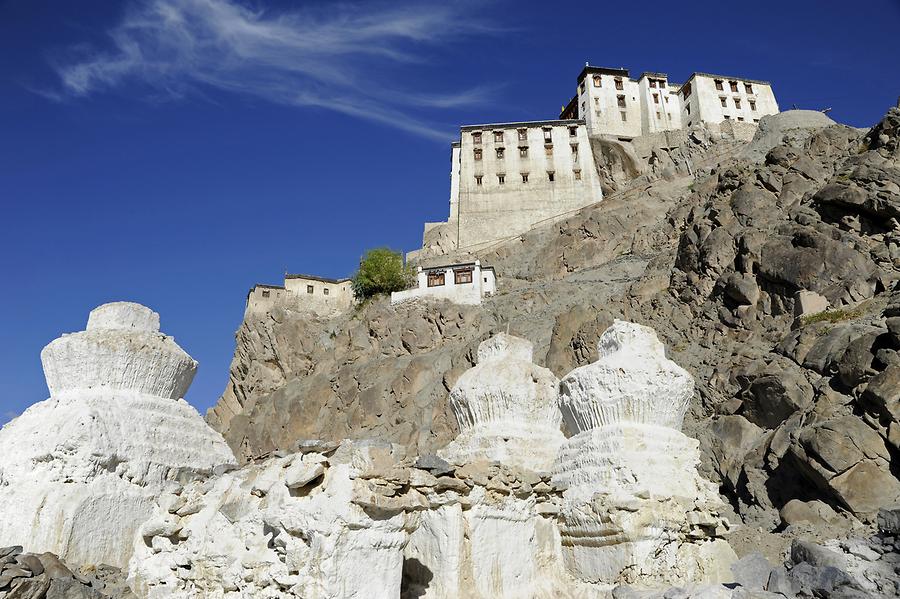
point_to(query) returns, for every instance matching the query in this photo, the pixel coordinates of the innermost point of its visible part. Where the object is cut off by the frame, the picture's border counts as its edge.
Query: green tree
(381, 270)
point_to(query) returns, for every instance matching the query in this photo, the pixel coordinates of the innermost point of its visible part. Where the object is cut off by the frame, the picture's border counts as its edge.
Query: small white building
(465, 283)
(318, 295)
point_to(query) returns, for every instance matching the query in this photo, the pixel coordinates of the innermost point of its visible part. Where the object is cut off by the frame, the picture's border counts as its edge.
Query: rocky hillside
(717, 246)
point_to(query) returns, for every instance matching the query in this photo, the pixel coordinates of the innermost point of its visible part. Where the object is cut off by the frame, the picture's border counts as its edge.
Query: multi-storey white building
(612, 104)
(506, 177)
(715, 98)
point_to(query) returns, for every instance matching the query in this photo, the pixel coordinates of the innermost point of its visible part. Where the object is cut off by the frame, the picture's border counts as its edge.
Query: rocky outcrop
(383, 372)
(44, 576)
(361, 520)
(81, 470)
(769, 271)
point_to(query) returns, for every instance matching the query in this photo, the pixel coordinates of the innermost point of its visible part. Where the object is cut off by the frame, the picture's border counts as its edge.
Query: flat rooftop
(551, 123)
(727, 77)
(455, 265)
(591, 70)
(315, 278)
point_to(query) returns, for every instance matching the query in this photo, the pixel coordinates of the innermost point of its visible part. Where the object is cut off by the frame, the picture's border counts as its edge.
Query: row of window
(623, 115)
(501, 178)
(523, 151)
(617, 81)
(737, 103)
(522, 135)
(733, 85)
(309, 290)
(720, 86)
(461, 276)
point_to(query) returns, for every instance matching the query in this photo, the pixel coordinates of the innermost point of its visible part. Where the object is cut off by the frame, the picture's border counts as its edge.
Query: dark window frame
(460, 274)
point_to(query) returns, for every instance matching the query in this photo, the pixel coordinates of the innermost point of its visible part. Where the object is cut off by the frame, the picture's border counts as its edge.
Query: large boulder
(772, 398)
(848, 460)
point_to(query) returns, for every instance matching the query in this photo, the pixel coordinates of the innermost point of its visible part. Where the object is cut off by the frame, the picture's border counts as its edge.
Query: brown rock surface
(713, 260)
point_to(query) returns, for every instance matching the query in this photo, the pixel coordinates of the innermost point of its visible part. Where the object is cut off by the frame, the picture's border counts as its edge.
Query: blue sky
(175, 152)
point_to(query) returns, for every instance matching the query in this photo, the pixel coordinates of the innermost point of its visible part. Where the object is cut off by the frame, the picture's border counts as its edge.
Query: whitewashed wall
(706, 100)
(660, 105)
(296, 296)
(483, 283)
(599, 105)
(493, 210)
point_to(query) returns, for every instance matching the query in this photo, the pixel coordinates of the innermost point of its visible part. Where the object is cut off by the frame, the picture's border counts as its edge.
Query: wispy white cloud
(337, 56)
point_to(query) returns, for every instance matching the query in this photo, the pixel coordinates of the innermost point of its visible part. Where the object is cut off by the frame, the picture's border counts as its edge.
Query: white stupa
(635, 508)
(506, 408)
(80, 471)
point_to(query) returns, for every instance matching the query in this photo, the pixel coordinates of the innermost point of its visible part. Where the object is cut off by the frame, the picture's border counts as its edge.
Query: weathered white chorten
(81, 470)
(635, 509)
(506, 408)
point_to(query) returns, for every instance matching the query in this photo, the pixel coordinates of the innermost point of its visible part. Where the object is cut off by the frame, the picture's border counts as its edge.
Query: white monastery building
(512, 175)
(613, 104)
(714, 99)
(305, 293)
(506, 178)
(464, 283)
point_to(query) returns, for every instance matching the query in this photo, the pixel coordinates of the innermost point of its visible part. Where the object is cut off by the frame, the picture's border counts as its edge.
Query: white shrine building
(465, 283)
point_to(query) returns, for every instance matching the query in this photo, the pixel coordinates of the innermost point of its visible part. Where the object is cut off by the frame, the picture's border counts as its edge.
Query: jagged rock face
(818, 215)
(82, 469)
(711, 261)
(506, 408)
(249, 533)
(383, 373)
(635, 508)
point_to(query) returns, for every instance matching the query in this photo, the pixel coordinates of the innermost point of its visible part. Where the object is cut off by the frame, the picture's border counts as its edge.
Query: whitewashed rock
(635, 509)
(81, 470)
(317, 543)
(506, 408)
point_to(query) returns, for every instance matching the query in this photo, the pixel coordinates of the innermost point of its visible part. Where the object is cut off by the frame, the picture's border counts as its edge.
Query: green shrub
(832, 316)
(381, 270)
